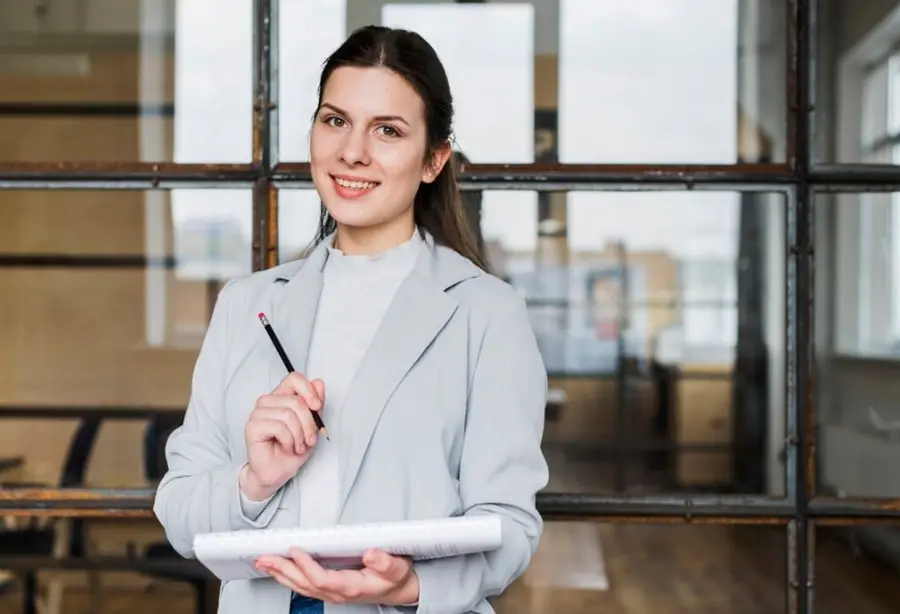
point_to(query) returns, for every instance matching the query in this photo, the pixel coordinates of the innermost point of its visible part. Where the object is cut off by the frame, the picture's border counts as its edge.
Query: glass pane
(298, 220)
(857, 297)
(858, 81)
(583, 567)
(856, 569)
(654, 313)
(141, 81)
(123, 335)
(564, 82)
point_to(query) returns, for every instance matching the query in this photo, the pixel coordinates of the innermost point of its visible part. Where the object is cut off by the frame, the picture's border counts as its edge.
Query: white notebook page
(231, 556)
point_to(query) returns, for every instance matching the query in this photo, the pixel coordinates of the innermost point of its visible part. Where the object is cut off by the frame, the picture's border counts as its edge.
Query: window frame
(868, 282)
(799, 178)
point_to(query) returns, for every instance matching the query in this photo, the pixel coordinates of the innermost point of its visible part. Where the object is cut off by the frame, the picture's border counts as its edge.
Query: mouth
(350, 188)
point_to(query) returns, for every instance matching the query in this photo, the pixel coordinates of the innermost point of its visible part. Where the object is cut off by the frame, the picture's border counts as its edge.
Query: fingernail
(312, 440)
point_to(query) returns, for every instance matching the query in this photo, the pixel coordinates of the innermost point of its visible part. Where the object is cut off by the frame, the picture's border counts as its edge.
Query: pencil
(290, 368)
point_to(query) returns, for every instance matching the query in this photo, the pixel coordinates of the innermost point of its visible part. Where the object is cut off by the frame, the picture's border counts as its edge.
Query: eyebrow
(379, 118)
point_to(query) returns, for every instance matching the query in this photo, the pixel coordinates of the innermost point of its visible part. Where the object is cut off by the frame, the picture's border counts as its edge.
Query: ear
(436, 163)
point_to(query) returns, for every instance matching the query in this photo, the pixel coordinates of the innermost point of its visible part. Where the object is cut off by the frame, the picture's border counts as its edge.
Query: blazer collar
(419, 311)
(441, 265)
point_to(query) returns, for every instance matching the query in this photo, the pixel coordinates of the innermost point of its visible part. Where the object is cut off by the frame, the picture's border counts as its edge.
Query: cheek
(321, 146)
(315, 150)
(402, 166)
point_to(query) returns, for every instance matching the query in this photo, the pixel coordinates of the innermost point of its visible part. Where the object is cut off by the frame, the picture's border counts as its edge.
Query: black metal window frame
(798, 179)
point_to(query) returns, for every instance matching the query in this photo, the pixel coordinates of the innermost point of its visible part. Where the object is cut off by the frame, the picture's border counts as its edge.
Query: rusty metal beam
(800, 294)
(71, 412)
(542, 177)
(262, 77)
(159, 566)
(124, 175)
(265, 146)
(87, 261)
(846, 176)
(265, 225)
(106, 502)
(577, 174)
(129, 110)
(831, 508)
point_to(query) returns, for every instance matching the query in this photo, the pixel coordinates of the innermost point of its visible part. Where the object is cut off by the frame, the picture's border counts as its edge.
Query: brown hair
(437, 206)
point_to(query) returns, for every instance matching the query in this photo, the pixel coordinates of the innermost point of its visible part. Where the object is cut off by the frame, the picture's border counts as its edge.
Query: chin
(354, 217)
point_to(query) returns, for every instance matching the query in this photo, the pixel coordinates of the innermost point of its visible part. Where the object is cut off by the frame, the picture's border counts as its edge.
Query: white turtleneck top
(356, 293)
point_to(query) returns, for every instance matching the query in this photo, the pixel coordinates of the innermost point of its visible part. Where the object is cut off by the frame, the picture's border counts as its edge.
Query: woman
(423, 367)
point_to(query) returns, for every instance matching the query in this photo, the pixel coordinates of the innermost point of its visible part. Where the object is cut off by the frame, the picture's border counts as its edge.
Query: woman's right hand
(280, 435)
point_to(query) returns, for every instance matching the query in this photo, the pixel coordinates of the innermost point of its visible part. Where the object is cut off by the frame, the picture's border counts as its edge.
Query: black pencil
(290, 368)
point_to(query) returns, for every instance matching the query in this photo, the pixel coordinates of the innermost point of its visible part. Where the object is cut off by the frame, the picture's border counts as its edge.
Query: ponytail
(439, 209)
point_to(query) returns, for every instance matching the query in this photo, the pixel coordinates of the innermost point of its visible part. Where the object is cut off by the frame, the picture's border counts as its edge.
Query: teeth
(355, 185)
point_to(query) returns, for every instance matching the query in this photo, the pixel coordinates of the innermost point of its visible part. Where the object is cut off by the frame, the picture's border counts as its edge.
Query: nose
(355, 150)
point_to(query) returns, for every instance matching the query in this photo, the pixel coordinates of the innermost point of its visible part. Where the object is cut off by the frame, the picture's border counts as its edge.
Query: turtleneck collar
(400, 258)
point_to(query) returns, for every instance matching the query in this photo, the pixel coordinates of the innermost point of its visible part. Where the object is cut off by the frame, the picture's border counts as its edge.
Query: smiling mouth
(355, 185)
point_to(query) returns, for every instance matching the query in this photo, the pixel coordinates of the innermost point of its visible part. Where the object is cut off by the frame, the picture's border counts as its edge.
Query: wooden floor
(670, 569)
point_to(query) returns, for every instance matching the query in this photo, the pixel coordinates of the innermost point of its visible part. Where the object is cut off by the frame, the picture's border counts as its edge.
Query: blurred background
(666, 311)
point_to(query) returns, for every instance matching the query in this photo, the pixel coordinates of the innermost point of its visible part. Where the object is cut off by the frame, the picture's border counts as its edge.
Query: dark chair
(155, 467)
(58, 537)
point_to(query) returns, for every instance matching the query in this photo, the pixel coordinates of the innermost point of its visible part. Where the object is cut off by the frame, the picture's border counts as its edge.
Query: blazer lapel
(294, 313)
(416, 316)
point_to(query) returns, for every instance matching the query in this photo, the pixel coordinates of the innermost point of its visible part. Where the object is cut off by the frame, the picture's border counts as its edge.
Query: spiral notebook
(231, 555)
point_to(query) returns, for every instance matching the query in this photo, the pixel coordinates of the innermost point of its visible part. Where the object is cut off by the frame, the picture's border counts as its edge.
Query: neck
(369, 241)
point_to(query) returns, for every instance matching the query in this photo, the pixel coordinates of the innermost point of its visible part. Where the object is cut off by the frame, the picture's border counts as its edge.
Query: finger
(266, 429)
(300, 410)
(297, 384)
(326, 580)
(325, 584)
(319, 387)
(393, 568)
(287, 573)
(293, 586)
(289, 417)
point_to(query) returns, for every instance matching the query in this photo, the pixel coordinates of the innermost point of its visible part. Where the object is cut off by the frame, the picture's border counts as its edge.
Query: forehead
(370, 92)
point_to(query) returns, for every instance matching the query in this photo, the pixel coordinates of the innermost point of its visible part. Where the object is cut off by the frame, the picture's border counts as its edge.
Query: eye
(335, 121)
(389, 131)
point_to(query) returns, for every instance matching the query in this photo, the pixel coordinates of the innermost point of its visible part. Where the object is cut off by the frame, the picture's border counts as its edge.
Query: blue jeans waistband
(301, 604)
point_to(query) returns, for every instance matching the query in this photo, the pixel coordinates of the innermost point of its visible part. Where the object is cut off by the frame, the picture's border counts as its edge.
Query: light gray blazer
(444, 418)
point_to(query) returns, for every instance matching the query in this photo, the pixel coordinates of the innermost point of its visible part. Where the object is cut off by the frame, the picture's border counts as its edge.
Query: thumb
(384, 564)
(319, 386)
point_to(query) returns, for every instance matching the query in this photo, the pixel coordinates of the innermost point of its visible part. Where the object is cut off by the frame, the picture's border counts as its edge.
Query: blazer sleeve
(502, 466)
(199, 492)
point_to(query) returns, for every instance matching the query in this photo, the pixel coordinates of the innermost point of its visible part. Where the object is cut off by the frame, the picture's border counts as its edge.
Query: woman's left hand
(385, 579)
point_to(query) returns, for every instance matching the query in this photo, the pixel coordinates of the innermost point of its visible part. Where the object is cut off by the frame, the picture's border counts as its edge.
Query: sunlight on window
(213, 113)
(211, 229)
(629, 77)
(488, 53)
(683, 224)
(213, 233)
(213, 81)
(298, 221)
(696, 231)
(648, 81)
(310, 30)
(869, 228)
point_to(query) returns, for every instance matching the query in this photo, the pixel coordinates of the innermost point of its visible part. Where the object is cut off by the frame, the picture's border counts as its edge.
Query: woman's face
(367, 150)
